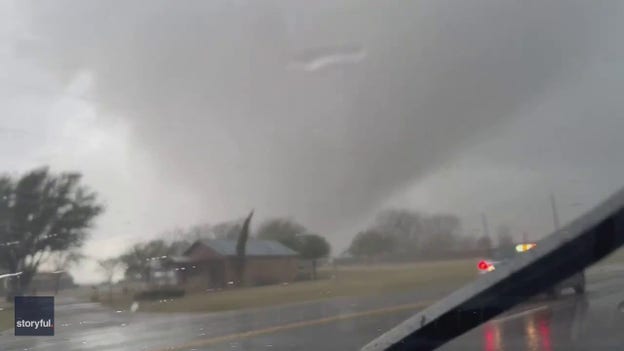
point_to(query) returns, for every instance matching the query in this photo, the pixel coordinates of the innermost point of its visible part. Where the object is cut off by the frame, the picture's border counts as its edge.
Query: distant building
(47, 282)
(43, 282)
(211, 263)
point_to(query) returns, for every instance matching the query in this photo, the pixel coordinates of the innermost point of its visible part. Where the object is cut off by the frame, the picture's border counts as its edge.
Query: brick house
(211, 263)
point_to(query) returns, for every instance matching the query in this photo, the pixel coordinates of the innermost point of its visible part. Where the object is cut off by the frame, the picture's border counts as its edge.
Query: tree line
(402, 233)
(46, 217)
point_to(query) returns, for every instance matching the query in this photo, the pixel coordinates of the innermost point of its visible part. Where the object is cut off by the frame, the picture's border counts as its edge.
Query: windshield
(298, 175)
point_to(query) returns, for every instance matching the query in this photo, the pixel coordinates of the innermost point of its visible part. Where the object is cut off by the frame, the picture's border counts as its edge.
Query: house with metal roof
(211, 263)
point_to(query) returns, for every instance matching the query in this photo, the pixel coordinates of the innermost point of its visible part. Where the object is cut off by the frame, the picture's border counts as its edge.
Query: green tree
(41, 213)
(313, 247)
(371, 243)
(137, 260)
(282, 230)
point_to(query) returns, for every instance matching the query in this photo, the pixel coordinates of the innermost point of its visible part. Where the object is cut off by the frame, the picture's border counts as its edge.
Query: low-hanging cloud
(210, 93)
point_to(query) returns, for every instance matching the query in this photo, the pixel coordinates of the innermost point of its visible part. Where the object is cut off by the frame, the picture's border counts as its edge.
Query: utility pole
(553, 205)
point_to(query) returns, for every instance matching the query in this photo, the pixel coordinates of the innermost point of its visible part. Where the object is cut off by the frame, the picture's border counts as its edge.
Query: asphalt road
(593, 322)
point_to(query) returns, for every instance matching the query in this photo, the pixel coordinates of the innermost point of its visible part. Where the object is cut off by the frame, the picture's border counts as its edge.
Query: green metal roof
(255, 247)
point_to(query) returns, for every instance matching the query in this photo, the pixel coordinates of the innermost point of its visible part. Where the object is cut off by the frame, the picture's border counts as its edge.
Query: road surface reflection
(534, 331)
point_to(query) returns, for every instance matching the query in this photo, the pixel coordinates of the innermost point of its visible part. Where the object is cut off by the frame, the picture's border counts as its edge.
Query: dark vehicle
(502, 255)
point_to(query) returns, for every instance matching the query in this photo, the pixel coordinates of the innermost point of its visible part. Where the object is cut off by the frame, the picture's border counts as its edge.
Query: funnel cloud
(320, 110)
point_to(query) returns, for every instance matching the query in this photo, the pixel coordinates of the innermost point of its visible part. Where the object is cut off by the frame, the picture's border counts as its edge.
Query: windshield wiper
(576, 246)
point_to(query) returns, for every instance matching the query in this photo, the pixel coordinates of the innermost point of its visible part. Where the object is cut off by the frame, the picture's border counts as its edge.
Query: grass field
(615, 258)
(6, 318)
(347, 281)
(344, 281)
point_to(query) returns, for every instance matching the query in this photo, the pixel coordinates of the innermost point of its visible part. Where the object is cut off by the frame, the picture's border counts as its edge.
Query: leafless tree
(109, 267)
(61, 262)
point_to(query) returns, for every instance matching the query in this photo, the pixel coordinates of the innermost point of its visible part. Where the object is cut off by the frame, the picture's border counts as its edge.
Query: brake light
(485, 266)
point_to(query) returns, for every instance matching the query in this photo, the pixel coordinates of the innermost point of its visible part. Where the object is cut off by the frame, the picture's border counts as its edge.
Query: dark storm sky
(325, 111)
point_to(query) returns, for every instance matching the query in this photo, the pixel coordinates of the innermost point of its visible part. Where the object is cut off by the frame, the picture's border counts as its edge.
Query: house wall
(206, 271)
(214, 271)
(265, 270)
(202, 275)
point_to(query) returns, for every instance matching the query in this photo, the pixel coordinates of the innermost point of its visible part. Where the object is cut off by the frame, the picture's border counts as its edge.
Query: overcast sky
(326, 111)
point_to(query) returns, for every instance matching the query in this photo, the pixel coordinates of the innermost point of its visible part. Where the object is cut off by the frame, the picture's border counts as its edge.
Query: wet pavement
(592, 322)
(88, 326)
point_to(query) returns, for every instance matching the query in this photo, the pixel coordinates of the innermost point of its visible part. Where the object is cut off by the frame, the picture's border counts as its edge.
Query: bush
(159, 294)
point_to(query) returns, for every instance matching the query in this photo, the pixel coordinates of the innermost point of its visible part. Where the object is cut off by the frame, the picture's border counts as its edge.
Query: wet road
(594, 322)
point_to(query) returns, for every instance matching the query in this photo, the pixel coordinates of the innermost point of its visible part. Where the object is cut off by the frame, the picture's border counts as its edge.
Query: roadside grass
(361, 280)
(6, 318)
(343, 281)
(615, 258)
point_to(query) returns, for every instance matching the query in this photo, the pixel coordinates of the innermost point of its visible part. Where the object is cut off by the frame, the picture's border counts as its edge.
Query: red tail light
(485, 266)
